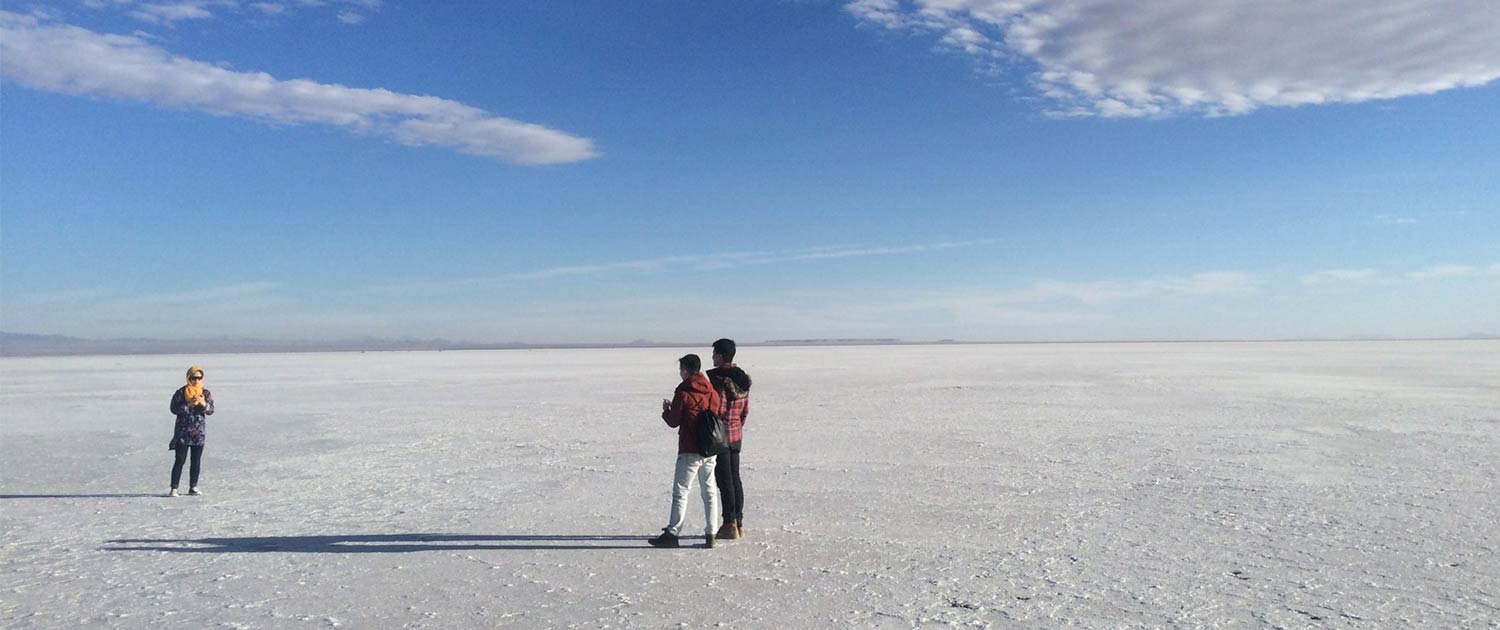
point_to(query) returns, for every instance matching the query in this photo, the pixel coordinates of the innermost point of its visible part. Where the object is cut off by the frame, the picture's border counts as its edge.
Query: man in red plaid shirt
(733, 385)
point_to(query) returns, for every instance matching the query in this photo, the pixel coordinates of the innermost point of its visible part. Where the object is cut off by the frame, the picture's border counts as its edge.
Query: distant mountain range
(28, 345)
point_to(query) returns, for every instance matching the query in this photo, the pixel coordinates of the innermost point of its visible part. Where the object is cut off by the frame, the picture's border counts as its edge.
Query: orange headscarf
(193, 391)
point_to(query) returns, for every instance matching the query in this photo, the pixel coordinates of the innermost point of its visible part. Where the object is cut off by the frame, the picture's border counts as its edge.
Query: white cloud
(112, 299)
(1386, 219)
(1206, 283)
(71, 60)
(983, 309)
(730, 260)
(690, 262)
(1438, 272)
(1117, 58)
(1332, 276)
(1107, 291)
(217, 310)
(227, 293)
(171, 12)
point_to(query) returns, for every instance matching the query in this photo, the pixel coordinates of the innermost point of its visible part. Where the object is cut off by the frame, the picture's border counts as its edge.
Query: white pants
(691, 468)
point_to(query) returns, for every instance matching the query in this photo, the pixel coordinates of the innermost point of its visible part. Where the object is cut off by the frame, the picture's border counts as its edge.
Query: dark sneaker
(665, 540)
(710, 539)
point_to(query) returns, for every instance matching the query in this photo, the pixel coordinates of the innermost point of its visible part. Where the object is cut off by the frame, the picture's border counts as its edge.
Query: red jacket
(692, 397)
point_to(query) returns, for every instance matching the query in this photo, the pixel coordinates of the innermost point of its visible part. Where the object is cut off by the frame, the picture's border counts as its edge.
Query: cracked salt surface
(1239, 485)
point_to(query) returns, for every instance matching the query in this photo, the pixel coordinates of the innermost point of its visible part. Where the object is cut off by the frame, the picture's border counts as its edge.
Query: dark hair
(690, 363)
(725, 348)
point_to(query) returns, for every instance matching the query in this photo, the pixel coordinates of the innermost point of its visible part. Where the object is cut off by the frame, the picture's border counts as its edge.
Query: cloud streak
(1107, 291)
(1438, 272)
(111, 299)
(1116, 58)
(727, 260)
(1335, 276)
(1425, 274)
(217, 310)
(169, 13)
(66, 59)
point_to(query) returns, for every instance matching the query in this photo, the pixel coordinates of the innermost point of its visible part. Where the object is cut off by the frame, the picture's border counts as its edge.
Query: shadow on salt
(376, 543)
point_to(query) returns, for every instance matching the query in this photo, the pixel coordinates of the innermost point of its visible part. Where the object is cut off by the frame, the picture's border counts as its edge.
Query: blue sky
(607, 171)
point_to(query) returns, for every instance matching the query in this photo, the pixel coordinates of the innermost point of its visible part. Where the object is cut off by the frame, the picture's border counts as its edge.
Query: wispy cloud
(697, 263)
(67, 59)
(986, 308)
(1117, 58)
(109, 312)
(114, 299)
(1107, 291)
(726, 260)
(1166, 306)
(169, 12)
(1386, 219)
(1366, 275)
(1333, 276)
(1437, 272)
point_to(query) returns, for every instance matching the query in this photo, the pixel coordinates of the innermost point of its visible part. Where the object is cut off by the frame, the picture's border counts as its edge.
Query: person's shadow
(78, 496)
(374, 543)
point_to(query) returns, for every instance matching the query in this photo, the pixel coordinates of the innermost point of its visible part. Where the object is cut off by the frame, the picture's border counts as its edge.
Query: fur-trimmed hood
(731, 379)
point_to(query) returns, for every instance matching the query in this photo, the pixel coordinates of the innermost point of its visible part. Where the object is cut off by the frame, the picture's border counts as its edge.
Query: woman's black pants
(182, 455)
(731, 492)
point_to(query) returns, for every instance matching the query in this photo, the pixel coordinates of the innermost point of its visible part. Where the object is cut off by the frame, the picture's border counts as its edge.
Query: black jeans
(182, 455)
(731, 492)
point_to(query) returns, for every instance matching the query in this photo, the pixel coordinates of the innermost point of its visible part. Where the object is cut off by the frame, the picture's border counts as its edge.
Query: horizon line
(62, 345)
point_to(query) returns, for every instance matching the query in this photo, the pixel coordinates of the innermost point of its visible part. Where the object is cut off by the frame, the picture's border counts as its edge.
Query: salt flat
(1200, 485)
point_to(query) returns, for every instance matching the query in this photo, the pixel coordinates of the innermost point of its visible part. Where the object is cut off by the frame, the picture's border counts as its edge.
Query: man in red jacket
(694, 396)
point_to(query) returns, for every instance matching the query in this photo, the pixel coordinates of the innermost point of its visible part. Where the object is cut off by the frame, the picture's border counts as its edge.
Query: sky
(573, 172)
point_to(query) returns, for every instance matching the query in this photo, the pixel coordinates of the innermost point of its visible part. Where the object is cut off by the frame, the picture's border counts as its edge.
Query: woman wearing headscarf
(192, 404)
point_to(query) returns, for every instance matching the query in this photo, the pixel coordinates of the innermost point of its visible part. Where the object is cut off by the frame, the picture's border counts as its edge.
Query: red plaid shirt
(733, 386)
(735, 413)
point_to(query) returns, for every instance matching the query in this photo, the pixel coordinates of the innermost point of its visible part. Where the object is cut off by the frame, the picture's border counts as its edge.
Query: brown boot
(727, 531)
(739, 530)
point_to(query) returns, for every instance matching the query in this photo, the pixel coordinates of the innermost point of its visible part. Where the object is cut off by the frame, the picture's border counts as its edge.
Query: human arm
(673, 411)
(178, 406)
(208, 403)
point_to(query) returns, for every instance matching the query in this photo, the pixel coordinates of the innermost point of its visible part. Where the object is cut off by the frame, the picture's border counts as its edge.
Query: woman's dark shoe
(665, 540)
(727, 531)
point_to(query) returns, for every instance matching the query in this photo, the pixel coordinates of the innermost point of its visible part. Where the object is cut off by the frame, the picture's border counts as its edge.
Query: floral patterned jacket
(191, 421)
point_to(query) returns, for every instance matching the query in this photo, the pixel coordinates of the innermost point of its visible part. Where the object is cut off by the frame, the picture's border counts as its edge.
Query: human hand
(666, 405)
